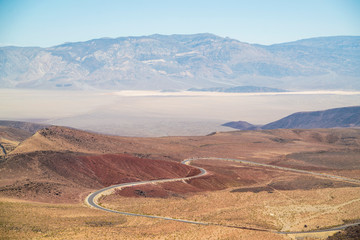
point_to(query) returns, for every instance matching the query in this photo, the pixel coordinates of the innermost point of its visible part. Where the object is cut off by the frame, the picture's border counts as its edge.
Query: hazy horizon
(173, 34)
(154, 113)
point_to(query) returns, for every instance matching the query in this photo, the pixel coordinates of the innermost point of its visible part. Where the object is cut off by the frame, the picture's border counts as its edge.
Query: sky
(47, 23)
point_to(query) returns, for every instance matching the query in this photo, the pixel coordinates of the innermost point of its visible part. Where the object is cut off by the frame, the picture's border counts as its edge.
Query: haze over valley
(144, 113)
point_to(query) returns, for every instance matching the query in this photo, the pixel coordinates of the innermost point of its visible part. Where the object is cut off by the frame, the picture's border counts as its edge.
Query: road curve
(92, 199)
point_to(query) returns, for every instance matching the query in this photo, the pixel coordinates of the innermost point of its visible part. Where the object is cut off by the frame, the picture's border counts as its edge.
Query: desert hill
(57, 164)
(60, 164)
(67, 139)
(26, 126)
(175, 148)
(337, 117)
(331, 118)
(10, 138)
(242, 125)
(62, 176)
(12, 133)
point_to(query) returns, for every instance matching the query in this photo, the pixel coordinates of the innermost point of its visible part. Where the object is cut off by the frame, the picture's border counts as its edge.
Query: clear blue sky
(50, 22)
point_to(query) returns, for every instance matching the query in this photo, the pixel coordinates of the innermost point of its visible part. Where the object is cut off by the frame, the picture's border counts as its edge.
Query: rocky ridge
(179, 62)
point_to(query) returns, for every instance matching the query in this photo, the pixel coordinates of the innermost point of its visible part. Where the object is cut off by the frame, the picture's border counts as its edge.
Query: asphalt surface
(92, 198)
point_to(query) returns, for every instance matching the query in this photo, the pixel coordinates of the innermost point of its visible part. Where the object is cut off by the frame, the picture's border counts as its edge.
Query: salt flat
(154, 113)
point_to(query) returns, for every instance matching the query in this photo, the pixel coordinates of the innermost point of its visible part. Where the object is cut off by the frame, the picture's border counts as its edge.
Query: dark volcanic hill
(178, 62)
(337, 117)
(332, 118)
(241, 125)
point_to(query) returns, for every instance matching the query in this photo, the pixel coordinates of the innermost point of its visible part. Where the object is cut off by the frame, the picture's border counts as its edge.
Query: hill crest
(346, 117)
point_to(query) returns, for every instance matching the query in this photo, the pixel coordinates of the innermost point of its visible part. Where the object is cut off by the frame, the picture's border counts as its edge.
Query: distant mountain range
(180, 62)
(332, 118)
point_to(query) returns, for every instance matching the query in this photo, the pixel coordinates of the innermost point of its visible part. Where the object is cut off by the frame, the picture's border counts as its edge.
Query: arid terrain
(45, 178)
(180, 120)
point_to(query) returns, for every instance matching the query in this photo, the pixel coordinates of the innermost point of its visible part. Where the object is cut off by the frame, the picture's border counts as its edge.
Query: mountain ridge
(179, 62)
(330, 118)
(344, 117)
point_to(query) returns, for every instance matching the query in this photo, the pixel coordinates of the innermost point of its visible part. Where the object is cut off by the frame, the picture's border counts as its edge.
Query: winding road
(92, 199)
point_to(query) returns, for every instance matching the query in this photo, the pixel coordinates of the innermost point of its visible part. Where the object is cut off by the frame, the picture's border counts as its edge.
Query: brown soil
(111, 169)
(226, 174)
(173, 189)
(14, 134)
(346, 160)
(350, 233)
(249, 144)
(84, 161)
(298, 183)
(33, 187)
(57, 173)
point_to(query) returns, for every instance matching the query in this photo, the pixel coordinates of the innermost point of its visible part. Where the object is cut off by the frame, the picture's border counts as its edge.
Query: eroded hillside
(71, 157)
(58, 165)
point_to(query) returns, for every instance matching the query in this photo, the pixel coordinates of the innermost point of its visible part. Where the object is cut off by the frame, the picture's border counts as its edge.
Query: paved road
(92, 199)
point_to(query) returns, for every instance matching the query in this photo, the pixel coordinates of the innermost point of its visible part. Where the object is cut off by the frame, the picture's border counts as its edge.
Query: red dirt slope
(120, 168)
(24, 175)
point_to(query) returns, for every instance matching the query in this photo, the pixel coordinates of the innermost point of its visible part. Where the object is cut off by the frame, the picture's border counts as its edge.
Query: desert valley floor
(46, 176)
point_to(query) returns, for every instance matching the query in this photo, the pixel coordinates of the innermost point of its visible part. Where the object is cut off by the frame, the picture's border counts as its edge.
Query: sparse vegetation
(64, 165)
(29, 220)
